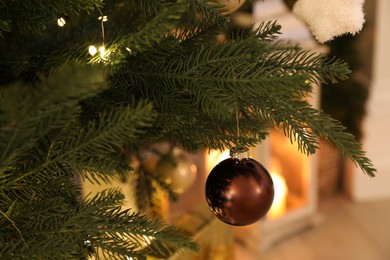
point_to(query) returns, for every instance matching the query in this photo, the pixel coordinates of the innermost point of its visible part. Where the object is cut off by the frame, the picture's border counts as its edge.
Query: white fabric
(330, 18)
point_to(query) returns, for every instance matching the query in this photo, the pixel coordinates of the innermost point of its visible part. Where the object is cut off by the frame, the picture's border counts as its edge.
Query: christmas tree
(86, 83)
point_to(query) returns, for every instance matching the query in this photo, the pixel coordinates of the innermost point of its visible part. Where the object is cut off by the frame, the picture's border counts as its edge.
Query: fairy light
(103, 18)
(61, 22)
(102, 49)
(92, 50)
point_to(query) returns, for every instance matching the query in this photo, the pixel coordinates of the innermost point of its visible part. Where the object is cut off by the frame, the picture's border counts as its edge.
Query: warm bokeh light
(214, 157)
(102, 51)
(92, 50)
(278, 208)
(103, 18)
(61, 22)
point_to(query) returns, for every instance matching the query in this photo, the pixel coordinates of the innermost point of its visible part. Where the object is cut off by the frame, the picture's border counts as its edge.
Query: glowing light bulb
(103, 18)
(92, 50)
(102, 52)
(61, 22)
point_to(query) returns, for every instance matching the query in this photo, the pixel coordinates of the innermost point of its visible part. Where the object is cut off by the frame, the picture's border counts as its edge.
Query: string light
(61, 22)
(103, 18)
(102, 51)
(92, 50)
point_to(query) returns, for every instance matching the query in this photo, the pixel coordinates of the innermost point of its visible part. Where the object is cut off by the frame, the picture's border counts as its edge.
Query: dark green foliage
(346, 101)
(34, 17)
(65, 115)
(56, 222)
(45, 149)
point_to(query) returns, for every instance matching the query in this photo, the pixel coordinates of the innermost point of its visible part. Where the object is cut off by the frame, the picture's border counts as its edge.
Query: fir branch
(22, 136)
(203, 131)
(321, 68)
(19, 99)
(151, 7)
(208, 11)
(192, 36)
(13, 224)
(105, 136)
(42, 13)
(209, 83)
(282, 75)
(96, 141)
(335, 133)
(41, 221)
(156, 29)
(109, 167)
(38, 186)
(139, 229)
(278, 111)
(29, 114)
(265, 31)
(119, 233)
(307, 119)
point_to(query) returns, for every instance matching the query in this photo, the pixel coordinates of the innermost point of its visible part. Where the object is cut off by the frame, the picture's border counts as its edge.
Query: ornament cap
(239, 152)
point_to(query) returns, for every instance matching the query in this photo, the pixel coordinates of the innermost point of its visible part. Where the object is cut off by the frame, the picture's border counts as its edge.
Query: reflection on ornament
(214, 157)
(231, 5)
(239, 190)
(177, 171)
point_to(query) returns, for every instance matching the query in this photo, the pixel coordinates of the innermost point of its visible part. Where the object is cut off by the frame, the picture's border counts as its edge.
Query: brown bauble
(239, 191)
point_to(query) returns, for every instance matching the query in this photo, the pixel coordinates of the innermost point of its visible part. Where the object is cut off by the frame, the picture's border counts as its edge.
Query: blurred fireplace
(294, 175)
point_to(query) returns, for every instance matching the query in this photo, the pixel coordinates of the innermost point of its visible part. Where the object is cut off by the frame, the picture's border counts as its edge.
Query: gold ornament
(231, 5)
(177, 171)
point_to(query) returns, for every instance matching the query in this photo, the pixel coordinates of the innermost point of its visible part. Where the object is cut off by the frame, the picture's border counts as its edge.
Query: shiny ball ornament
(176, 171)
(239, 190)
(231, 5)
